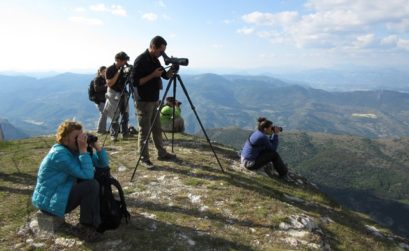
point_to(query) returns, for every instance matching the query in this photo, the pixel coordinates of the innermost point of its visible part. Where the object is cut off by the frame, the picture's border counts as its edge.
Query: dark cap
(172, 100)
(122, 56)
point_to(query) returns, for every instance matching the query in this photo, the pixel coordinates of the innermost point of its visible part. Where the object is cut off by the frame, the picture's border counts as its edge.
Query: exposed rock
(122, 169)
(374, 231)
(194, 198)
(326, 220)
(294, 199)
(404, 246)
(65, 242)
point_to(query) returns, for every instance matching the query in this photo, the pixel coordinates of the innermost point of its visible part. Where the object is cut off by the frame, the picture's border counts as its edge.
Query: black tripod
(173, 81)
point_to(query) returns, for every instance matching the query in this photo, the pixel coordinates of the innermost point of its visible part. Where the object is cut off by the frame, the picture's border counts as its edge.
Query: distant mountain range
(38, 105)
(371, 176)
(9, 131)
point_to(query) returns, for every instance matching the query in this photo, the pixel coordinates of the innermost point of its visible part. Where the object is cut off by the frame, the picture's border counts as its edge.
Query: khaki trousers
(145, 112)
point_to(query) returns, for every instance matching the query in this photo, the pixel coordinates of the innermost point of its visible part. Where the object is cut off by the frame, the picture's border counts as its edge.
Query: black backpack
(111, 210)
(92, 92)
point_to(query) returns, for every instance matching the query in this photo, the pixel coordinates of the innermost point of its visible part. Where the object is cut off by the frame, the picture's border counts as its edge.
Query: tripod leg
(198, 119)
(145, 143)
(173, 115)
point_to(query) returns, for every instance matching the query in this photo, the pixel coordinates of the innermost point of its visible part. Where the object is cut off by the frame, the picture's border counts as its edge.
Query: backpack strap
(125, 213)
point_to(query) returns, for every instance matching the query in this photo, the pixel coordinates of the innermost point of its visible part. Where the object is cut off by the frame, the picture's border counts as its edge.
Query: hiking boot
(167, 156)
(103, 132)
(268, 168)
(147, 163)
(92, 235)
(287, 178)
(127, 136)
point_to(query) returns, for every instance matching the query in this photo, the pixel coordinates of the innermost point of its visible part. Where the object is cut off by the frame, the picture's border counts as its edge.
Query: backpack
(111, 209)
(91, 92)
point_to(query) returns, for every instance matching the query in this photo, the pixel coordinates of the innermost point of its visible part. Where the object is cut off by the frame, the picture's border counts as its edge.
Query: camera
(278, 127)
(126, 70)
(91, 139)
(174, 61)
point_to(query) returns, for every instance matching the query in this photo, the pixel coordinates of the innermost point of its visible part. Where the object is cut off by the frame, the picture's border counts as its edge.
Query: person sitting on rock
(166, 116)
(65, 178)
(260, 149)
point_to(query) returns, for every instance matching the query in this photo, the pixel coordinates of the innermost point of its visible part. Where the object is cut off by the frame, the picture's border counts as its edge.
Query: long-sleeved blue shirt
(257, 143)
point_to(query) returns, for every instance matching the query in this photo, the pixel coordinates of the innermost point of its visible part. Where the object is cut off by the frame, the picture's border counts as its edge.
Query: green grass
(188, 204)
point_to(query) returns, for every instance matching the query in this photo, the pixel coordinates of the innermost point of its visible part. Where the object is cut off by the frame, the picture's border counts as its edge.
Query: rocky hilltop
(189, 204)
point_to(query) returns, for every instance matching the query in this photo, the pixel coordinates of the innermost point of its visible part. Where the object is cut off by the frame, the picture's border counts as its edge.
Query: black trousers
(86, 195)
(269, 156)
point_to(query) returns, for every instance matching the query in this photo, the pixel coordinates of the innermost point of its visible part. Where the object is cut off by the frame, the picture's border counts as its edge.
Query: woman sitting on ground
(261, 148)
(66, 176)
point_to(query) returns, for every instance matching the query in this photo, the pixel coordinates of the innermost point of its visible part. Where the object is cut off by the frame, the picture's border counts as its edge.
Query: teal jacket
(57, 174)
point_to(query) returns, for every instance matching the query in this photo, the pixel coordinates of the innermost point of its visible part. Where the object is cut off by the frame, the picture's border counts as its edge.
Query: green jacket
(166, 114)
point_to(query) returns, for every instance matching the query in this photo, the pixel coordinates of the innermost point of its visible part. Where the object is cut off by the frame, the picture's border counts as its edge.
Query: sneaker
(167, 156)
(147, 163)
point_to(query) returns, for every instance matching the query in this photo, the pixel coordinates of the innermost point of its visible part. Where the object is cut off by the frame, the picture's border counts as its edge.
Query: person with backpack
(260, 149)
(166, 116)
(100, 87)
(65, 178)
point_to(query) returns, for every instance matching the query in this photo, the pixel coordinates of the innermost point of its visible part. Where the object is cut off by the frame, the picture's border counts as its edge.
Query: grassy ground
(189, 204)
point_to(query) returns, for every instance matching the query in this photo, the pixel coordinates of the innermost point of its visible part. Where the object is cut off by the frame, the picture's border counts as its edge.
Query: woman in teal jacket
(66, 176)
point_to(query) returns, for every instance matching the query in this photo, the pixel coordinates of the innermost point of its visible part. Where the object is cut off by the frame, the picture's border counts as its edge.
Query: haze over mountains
(38, 105)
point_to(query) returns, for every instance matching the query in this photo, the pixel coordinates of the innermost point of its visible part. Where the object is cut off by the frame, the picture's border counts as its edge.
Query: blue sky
(228, 35)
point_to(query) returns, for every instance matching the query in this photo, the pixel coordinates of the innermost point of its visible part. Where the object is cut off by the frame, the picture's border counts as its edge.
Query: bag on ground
(112, 210)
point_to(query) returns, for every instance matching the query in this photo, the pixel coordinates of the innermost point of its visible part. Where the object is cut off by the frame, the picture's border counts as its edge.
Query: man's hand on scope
(157, 73)
(170, 73)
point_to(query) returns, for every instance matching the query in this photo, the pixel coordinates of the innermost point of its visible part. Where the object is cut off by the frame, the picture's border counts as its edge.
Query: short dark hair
(122, 56)
(158, 41)
(263, 123)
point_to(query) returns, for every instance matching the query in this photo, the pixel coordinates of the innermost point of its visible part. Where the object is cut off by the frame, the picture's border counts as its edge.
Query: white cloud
(259, 18)
(150, 16)
(245, 31)
(390, 40)
(403, 44)
(364, 40)
(117, 10)
(86, 20)
(402, 26)
(336, 24)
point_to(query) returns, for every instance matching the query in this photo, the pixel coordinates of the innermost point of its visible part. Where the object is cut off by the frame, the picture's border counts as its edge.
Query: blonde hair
(66, 128)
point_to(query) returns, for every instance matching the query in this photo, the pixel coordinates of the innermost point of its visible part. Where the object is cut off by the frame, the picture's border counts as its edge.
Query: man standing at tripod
(116, 77)
(147, 74)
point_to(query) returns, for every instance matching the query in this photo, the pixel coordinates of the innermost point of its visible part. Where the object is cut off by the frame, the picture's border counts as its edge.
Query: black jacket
(100, 88)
